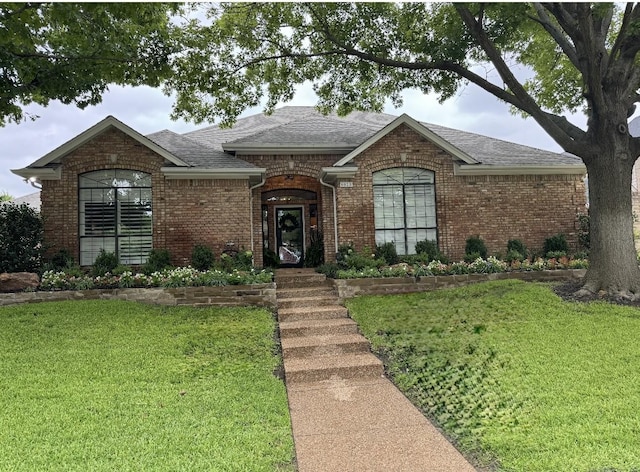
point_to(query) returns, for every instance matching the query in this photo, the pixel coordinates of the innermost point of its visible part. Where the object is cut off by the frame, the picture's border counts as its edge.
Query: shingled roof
(306, 128)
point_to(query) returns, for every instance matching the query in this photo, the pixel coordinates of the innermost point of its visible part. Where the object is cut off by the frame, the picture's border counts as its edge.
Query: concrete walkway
(346, 415)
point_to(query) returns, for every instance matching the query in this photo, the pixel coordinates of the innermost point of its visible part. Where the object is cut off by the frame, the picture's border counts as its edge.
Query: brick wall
(185, 212)
(214, 212)
(497, 208)
(112, 149)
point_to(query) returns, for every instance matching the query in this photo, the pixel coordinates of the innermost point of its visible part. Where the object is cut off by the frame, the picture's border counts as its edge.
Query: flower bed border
(263, 295)
(348, 288)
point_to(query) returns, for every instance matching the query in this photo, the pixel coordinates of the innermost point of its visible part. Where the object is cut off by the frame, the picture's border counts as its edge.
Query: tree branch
(558, 36)
(562, 134)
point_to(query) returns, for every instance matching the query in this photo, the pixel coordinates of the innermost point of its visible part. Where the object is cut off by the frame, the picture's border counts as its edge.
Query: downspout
(335, 211)
(251, 189)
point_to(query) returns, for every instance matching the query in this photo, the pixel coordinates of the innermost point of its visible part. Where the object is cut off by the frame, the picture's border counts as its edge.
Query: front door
(290, 236)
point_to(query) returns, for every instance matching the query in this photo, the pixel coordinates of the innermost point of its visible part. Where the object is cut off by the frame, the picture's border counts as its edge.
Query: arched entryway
(290, 218)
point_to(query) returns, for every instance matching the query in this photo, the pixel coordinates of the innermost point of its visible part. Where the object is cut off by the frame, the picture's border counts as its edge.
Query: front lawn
(112, 385)
(521, 379)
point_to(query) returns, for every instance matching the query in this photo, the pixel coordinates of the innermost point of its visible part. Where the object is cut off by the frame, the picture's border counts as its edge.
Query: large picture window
(404, 207)
(115, 215)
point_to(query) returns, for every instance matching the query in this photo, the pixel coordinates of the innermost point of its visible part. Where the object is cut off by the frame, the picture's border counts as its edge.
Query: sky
(147, 110)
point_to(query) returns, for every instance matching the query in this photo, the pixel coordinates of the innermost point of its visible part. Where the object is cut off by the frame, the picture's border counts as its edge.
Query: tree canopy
(579, 56)
(71, 52)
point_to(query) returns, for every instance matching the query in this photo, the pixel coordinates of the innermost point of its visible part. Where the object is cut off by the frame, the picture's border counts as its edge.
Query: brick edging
(348, 288)
(229, 295)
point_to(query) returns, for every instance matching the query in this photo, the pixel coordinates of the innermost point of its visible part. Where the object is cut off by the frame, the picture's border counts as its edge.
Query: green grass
(119, 386)
(521, 379)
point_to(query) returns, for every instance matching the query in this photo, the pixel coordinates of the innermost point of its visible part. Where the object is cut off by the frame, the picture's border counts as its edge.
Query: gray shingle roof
(305, 126)
(194, 153)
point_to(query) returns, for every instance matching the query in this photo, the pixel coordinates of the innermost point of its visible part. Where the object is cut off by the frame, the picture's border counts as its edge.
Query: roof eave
(417, 127)
(97, 130)
(239, 173)
(332, 174)
(39, 174)
(487, 169)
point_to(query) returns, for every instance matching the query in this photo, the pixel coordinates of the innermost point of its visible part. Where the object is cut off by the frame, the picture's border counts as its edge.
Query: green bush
(472, 256)
(387, 251)
(556, 254)
(243, 260)
(344, 252)
(202, 257)
(556, 243)
(517, 246)
(158, 260)
(315, 252)
(329, 269)
(21, 245)
(429, 248)
(584, 231)
(105, 262)
(475, 245)
(514, 255)
(270, 258)
(121, 269)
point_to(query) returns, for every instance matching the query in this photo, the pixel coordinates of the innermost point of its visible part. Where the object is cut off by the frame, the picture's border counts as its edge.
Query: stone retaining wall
(230, 295)
(348, 288)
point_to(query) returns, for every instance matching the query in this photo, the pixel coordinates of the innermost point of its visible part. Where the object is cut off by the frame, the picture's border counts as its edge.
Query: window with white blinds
(404, 207)
(115, 215)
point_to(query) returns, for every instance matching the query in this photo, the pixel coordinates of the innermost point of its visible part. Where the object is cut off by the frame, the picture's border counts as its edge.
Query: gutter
(335, 211)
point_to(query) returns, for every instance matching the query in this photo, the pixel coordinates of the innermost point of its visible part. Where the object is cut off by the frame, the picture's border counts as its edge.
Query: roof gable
(419, 128)
(96, 130)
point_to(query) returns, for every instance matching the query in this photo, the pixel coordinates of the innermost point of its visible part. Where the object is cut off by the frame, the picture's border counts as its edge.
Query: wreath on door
(288, 222)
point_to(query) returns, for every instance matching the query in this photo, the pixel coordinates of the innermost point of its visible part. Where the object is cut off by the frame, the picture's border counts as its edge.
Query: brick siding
(215, 212)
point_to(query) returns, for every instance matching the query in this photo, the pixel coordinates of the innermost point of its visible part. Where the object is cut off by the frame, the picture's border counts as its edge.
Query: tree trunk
(613, 266)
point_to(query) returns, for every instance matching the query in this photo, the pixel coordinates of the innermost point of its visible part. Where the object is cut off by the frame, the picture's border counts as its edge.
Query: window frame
(404, 184)
(113, 237)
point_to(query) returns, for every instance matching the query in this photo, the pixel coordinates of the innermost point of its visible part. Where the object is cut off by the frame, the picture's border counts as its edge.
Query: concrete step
(313, 313)
(294, 278)
(346, 366)
(337, 326)
(311, 346)
(307, 302)
(317, 290)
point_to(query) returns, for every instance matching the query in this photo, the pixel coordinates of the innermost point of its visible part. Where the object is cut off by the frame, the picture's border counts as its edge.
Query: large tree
(357, 55)
(72, 52)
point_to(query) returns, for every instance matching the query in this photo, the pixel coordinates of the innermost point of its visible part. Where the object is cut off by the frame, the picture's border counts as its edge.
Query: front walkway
(346, 415)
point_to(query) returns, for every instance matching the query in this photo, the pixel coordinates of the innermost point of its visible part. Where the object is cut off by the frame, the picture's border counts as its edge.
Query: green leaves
(72, 52)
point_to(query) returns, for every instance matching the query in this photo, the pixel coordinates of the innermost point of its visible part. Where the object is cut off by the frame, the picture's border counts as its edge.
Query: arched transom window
(404, 207)
(115, 215)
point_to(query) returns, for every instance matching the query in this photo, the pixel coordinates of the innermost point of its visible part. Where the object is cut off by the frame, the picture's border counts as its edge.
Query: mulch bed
(567, 291)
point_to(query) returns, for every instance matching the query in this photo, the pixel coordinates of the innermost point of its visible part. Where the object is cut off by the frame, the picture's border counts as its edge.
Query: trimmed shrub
(513, 255)
(270, 258)
(105, 262)
(21, 232)
(202, 257)
(158, 260)
(556, 243)
(430, 248)
(518, 246)
(315, 252)
(330, 269)
(475, 246)
(387, 251)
